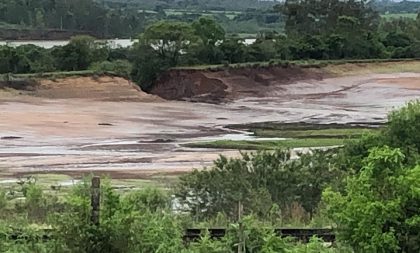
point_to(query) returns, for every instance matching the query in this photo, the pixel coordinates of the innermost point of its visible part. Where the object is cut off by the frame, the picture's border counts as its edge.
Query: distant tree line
(81, 53)
(389, 6)
(83, 15)
(127, 19)
(321, 30)
(220, 5)
(122, 18)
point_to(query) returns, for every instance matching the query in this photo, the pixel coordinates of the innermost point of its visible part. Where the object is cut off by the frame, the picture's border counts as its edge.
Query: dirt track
(112, 127)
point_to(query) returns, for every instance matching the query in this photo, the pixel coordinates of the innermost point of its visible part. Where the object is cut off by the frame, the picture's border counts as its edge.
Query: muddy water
(134, 139)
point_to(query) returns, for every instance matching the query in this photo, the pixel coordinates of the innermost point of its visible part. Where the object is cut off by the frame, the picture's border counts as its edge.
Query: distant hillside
(387, 6)
(383, 6)
(196, 4)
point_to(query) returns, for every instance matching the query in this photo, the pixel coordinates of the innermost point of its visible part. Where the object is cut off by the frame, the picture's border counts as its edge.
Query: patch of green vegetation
(274, 125)
(322, 133)
(308, 130)
(56, 184)
(269, 144)
(300, 63)
(55, 75)
(399, 15)
(157, 181)
(4, 25)
(60, 183)
(296, 135)
(43, 180)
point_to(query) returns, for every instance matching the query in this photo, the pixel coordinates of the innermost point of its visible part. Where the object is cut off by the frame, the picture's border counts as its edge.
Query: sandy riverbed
(108, 129)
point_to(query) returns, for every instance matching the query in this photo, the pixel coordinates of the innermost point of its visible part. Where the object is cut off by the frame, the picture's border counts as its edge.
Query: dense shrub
(258, 181)
(135, 222)
(401, 131)
(118, 67)
(379, 208)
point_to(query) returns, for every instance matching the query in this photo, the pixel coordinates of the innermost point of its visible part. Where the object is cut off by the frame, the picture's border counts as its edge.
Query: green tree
(210, 34)
(119, 67)
(80, 53)
(152, 199)
(379, 210)
(394, 39)
(139, 222)
(263, 49)
(33, 59)
(308, 17)
(257, 181)
(208, 31)
(147, 65)
(169, 39)
(401, 131)
(403, 128)
(9, 60)
(234, 50)
(160, 47)
(332, 29)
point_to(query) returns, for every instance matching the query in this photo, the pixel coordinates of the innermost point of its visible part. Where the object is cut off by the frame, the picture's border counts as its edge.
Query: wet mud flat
(141, 136)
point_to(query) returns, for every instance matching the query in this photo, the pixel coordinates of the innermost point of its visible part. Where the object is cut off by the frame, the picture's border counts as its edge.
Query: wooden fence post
(241, 244)
(95, 200)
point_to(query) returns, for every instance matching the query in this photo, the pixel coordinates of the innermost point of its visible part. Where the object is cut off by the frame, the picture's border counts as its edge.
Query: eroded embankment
(105, 88)
(226, 84)
(221, 84)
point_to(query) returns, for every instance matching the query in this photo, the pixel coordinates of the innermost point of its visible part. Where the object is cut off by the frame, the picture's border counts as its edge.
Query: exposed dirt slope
(106, 88)
(229, 84)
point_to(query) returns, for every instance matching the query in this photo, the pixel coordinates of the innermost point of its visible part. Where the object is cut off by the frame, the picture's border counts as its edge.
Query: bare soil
(106, 125)
(215, 86)
(105, 88)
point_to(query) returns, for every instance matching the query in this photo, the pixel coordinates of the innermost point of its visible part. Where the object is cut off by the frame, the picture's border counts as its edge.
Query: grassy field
(308, 130)
(316, 134)
(399, 15)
